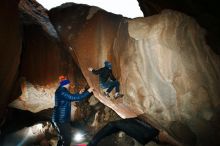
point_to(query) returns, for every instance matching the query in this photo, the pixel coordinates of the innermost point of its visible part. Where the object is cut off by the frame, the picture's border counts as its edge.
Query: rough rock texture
(173, 75)
(35, 98)
(165, 67)
(33, 12)
(77, 17)
(10, 49)
(205, 12)
(43, 61)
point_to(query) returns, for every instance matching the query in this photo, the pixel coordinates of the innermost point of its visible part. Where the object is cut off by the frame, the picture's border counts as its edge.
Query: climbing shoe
(106, 94)
(117, 95)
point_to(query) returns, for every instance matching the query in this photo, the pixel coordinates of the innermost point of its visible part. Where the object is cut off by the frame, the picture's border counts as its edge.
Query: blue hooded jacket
(63, 99)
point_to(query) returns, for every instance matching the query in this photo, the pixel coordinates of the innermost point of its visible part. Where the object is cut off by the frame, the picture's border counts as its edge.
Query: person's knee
(112, 124)
(116, 83)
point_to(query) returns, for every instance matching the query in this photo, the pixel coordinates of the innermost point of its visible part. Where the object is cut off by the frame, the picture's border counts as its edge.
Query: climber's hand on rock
(90, 68)
(82, 90)
(90, 89)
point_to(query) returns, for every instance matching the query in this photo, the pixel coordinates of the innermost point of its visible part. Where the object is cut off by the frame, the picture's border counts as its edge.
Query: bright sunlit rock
(127, 8)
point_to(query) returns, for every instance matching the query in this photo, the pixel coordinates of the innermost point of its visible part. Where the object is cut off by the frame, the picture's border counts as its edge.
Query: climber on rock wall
(62, 110)
(107, 79)
(136, 128)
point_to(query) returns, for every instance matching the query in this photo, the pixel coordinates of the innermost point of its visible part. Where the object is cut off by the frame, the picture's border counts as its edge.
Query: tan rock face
(35, 98)
(163, 64)
(173, 75)
(10, 49)
(205, 13)
(173, 65)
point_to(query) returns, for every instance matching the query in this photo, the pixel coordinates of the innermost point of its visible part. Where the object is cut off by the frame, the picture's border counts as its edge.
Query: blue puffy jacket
(63, 99)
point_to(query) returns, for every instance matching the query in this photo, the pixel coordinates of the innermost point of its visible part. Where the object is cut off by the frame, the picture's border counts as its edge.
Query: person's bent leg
(112, 85)
(65, 134)
(139, 130)
(105, 85)
(142, 132)
(60, 137)
(117, 89)
(107, 130)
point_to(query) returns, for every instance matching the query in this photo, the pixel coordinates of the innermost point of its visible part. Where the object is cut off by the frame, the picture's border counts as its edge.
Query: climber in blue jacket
(62, 110)
(107, 79)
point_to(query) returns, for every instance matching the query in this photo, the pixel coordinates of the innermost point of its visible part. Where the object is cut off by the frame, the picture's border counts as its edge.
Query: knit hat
(108, 64)
(63, 81)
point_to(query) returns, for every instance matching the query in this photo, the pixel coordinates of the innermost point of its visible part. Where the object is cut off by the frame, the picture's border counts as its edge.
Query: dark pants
(64, 133)
(110, 85)
(133, 127)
